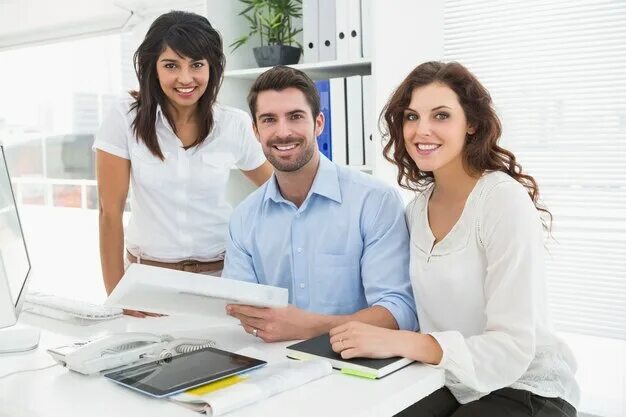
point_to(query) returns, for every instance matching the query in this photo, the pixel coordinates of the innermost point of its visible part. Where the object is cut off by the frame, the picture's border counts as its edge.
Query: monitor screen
(14, 261)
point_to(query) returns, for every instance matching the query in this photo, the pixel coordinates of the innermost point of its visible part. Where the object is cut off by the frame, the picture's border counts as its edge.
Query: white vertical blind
(557, 73)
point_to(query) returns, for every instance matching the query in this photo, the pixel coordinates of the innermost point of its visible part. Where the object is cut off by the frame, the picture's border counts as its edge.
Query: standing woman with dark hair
(477, 258)
(176, 146)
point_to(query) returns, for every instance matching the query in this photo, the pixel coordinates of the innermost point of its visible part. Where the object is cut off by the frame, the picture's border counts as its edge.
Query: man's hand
(277, 324)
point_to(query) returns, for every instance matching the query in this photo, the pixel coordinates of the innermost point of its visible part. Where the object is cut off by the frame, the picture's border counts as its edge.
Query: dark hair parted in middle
(189, 35)
(280, 78)
(481, 151)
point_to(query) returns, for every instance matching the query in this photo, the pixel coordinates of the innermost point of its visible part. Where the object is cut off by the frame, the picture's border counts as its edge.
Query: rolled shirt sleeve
(385, 259)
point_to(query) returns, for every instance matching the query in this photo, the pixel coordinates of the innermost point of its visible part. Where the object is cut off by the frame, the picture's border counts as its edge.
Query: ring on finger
(255, 332)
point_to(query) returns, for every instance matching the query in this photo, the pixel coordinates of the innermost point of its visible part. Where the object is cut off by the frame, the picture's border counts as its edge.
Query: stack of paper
(232, 393)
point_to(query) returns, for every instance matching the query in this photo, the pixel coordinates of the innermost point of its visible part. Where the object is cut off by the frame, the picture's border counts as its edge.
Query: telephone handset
(121, 349)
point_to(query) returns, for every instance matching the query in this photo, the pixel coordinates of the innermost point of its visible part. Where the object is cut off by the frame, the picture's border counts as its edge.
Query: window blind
(556, 71)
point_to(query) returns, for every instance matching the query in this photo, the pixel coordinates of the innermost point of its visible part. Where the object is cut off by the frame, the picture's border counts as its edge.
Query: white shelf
(317, 70)
(364, 168)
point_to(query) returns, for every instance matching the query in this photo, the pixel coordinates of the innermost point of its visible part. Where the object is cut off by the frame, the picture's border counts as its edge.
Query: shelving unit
(317, 70)
(396, 43)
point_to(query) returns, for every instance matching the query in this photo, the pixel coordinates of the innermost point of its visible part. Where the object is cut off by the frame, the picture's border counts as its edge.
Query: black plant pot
(270, 55)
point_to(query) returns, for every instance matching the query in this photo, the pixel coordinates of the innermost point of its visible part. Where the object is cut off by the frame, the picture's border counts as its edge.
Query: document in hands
(319, 347)
(167, 291)
(255, 386)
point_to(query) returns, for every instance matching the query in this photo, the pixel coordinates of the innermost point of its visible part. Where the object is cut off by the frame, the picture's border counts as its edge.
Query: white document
(355, 48)
(167, 291)
(260, 384)
(327, 31)
(369, 122)
(354, 106)
(310, 26)
(338, 120)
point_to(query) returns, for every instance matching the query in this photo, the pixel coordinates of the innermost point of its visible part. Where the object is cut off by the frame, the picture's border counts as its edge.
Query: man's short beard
(284, 166)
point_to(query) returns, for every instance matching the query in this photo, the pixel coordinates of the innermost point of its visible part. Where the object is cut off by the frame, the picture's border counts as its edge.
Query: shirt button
(297, 214)
(299, 250)
(301, 285)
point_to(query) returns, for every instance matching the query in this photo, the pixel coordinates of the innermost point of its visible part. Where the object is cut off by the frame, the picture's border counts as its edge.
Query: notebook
(319, 347)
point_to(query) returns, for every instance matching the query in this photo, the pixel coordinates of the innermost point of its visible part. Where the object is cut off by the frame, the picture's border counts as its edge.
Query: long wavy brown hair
(189, 35)
(481, 151)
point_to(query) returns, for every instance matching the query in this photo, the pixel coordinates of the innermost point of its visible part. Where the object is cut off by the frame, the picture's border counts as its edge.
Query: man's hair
(280, 78)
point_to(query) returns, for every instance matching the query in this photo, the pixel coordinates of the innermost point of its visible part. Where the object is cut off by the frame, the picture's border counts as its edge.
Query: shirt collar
(161, 116)
(325, 184)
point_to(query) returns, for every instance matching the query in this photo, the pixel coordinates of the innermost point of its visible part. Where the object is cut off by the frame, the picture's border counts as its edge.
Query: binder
(354, 106)
(327, 30)
(355, 49)
(339, 140)
(342, 27)
(310, 27)
(366, 28)
(324, 141)
(370, 122)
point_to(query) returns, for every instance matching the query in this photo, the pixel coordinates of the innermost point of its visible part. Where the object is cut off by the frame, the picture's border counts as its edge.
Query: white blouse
(178, 206)
(481, 293)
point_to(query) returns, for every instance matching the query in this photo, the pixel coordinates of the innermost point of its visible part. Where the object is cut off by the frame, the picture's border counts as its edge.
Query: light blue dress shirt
(344, 249)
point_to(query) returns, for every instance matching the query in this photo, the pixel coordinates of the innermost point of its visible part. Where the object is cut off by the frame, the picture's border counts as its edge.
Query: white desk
(59, 392)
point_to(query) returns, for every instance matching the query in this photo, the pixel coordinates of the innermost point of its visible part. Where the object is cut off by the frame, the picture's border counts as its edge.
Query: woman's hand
(360, 340)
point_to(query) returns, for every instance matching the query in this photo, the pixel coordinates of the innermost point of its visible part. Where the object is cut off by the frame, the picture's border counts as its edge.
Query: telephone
(120, 349)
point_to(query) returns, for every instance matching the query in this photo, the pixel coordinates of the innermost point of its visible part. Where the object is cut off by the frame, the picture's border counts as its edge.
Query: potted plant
(270, 20)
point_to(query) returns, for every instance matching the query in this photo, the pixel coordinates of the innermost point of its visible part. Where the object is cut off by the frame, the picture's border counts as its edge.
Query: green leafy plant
(271, 21)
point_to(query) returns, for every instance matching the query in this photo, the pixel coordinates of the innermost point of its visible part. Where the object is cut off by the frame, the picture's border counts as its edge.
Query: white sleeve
(512, 237)
(250, 152)
(112, 136)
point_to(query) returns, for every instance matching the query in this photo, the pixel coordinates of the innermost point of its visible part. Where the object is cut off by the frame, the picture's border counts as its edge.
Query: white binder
(338, 120)
(327, 30)
(366, 28)
(354, 106)
(355, 48)
(342, 28)
(310, 27)
(370, 121)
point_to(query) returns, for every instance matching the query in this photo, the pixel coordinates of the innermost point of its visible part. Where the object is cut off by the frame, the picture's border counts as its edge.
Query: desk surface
(59, 392)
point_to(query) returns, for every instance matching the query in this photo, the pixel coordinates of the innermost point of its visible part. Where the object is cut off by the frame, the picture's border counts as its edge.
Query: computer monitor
(15, 270)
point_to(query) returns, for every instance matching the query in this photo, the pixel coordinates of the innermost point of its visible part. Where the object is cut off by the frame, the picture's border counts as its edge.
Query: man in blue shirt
(335, 237)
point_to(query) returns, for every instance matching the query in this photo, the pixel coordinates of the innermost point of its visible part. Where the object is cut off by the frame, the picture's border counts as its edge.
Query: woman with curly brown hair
(477, 258)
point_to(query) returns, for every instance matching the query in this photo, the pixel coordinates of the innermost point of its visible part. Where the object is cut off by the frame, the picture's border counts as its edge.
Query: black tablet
(182, 372)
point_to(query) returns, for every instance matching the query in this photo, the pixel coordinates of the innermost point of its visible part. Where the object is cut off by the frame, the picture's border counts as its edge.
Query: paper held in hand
(167, 291)
(256, 386)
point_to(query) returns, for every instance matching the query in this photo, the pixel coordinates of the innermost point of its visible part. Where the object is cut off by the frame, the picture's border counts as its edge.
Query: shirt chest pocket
(148, 170)
(213, 173)
(336, 281)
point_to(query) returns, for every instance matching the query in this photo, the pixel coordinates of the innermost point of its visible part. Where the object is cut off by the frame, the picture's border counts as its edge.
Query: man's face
(286, 128)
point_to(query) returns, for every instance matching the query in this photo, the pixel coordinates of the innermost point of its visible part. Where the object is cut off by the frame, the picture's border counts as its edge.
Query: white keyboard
(67, 309)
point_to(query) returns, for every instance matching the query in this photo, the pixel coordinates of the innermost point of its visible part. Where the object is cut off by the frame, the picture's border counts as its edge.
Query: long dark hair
(481, 151)
(190, 35)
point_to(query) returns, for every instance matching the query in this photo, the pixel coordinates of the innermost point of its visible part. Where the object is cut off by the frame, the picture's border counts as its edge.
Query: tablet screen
(183, 372)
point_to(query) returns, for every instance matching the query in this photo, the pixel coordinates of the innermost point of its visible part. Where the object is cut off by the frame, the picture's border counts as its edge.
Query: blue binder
(324, 139)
